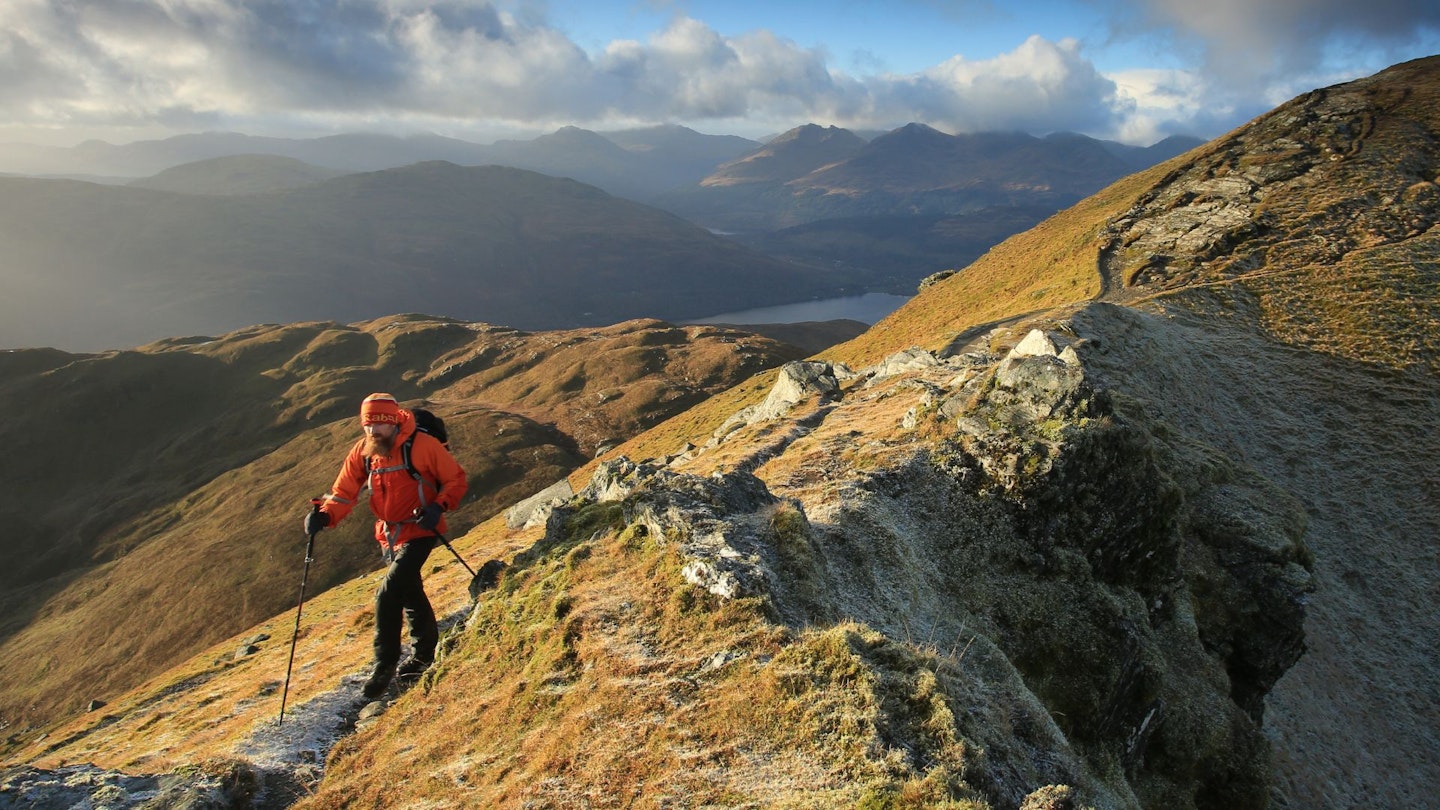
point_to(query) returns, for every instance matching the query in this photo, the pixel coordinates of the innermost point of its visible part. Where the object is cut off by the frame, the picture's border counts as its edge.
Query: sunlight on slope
(1049, 266)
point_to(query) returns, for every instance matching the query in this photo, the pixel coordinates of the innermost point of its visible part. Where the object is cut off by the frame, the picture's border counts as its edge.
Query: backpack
(430, 423)
(425, 422)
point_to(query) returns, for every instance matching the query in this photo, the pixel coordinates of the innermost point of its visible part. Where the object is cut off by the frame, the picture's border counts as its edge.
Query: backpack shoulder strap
(405, 449)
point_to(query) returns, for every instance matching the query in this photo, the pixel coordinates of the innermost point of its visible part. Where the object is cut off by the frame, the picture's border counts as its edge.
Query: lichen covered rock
(1136, 594)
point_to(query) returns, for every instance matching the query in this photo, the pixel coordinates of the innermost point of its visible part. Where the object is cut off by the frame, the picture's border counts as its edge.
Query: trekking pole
(309, 558)
(438, 536)
(442, 539)
(488, 575)
(480, 582)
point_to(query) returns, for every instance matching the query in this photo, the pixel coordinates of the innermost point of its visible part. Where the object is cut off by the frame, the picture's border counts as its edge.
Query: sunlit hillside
(204, 452)
(1134, 511)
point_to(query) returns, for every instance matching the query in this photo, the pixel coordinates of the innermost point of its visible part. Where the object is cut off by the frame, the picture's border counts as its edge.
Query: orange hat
(379, 408)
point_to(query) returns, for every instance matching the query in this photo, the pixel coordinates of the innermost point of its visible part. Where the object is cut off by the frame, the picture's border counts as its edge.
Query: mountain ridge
(1057, 531)
(907, 203)
(236, 174)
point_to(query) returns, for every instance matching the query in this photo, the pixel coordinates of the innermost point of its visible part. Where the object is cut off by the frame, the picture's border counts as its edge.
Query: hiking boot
(379, 679)
(414, 666)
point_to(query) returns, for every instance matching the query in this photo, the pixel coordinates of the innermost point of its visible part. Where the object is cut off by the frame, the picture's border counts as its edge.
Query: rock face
(1138, 594)
(522, 513)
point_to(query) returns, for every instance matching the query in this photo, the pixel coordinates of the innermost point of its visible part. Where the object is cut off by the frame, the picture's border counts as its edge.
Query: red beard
(379, 445)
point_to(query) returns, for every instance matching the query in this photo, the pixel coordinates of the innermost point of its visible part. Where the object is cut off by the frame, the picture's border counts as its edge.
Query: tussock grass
(596, 675)
(1377, 306)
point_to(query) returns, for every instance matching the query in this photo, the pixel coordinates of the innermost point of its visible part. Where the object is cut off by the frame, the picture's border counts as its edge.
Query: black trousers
(402, 594)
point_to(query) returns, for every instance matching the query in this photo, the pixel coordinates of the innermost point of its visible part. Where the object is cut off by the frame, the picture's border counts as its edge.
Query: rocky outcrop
(537, 506)
(798, 381)
(712, 520)
(1140, 612)
(1335, 171)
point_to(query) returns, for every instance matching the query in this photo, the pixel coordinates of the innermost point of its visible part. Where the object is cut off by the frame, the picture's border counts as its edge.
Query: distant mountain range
(223, 230)
(237, 175)
(813, 173)
(90, 266)
(907, 203)
(633, 163)
(663, 164)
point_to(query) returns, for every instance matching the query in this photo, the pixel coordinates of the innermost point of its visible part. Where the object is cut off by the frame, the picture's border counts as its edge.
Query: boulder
(798, 381)
(912, 359)
(535, 509)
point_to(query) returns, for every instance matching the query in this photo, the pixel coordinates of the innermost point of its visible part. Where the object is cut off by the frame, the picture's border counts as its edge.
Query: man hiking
(409, 508)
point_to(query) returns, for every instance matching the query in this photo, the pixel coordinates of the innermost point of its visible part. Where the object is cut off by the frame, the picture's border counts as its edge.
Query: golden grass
(596, 675)
(210, 703)
(693, 426)
(1049, 266)
(200, 516)
(1375, 306)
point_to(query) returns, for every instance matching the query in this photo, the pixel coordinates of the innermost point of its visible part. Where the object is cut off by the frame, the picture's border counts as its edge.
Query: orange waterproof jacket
(394, 494)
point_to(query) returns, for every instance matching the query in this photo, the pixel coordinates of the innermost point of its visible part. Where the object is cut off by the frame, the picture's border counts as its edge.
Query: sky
(1129, 70)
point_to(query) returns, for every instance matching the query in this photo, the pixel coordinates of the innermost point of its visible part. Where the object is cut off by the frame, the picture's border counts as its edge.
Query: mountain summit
(789, 156)
(1131, 512)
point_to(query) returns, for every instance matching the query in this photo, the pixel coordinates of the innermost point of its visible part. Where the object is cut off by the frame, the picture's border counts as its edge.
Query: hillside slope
(202, 454)
(1295, 265)
(1132, 512)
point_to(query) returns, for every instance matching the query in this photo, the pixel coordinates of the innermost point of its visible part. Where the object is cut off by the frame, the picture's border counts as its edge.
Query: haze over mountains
(814, 173)
(1137, 510)
(94, 267)
(234, 175)
(639, 163)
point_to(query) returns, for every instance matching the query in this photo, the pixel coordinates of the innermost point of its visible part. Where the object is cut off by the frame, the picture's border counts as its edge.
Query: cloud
(1285, 45)
(455, 65)
(1246, 57)
(1040, 86)
(209, 61)
(1161, 103)
(688, 71)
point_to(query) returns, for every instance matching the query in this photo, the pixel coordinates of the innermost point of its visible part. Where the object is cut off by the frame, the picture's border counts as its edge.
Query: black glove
(316, 520)
(429, 517)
